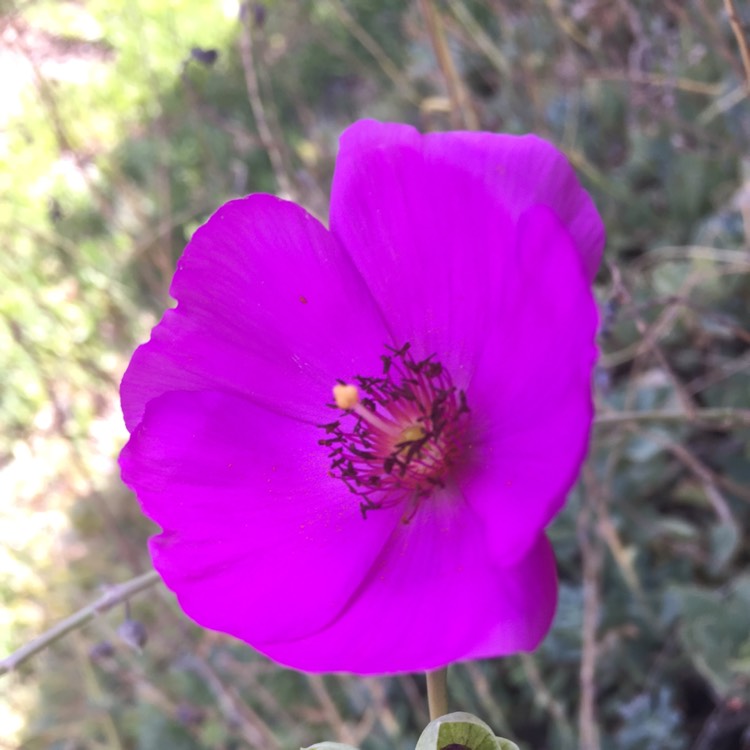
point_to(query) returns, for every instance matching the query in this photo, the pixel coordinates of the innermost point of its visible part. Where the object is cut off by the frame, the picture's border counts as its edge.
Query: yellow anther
(412, 434)
(345, 396)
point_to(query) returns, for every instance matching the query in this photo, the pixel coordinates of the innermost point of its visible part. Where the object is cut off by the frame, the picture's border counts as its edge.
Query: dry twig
(259, 111)
(591, 554)
(462, 111)
(402, 83)
(116, 595)
(742, 42)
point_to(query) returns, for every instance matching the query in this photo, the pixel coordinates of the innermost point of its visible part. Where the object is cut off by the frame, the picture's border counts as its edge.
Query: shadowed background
(124, 124)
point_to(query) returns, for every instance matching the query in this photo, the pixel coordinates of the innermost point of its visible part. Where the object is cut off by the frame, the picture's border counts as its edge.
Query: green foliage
(650, 723)
(715, 635)
(155, 731)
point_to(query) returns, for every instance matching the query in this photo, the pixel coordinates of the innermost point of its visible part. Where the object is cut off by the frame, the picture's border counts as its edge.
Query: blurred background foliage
(123, 124)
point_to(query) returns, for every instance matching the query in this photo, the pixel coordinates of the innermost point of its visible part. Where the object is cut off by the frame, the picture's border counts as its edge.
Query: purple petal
(434, 597)
(531, 396)
(258, 540)
(270, 307)
(428, 218)
(477, 248)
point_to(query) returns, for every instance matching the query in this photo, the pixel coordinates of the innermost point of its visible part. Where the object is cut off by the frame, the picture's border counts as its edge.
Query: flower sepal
(459, 731)
(456, 731)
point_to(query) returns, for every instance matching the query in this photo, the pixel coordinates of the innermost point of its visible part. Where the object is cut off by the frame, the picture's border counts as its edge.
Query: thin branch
(114, 596)
(738, 258)
(417, 708)
(488, 702)
(742, 43)
(568, 27)
(704, 475)
(236, 711)
(725, 416)
(722, 105)
(686, 401)
(544, 697)
(462, 112)
(591, 556)
(722, 372)
(659, 80)
(330, 710)
(481, 38)
(272, 148)
(96, 692)
(380, 704)
(380, 56)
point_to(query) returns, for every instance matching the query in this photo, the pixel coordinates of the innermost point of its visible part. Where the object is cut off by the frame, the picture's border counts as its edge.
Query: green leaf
(724, 539)
(714, 633)
(329, 746)
(459, 731)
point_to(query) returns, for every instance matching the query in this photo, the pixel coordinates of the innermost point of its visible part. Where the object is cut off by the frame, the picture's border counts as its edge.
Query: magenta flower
(396, 524)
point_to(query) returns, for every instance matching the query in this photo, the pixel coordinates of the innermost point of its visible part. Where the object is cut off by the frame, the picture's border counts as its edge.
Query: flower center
(399, 434)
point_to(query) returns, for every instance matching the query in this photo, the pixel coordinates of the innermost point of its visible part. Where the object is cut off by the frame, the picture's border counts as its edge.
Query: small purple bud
(205, 57)
(602, 379)
(101, 650)
(55, 210)
(190, 715)
(259, 14)
(133, 632)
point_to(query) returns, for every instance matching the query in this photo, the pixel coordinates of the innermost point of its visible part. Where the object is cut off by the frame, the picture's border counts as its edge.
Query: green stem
(114, 596)
(437, 693)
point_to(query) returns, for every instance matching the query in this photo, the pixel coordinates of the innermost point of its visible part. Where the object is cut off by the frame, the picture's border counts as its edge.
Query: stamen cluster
(401, 438)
